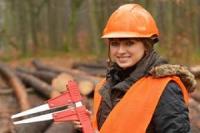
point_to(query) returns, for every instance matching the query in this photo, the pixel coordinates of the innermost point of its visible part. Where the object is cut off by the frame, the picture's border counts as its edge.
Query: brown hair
(148, 43)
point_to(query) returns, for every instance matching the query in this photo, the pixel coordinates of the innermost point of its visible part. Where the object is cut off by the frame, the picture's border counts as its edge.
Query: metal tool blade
(32, 111)
(35, 119)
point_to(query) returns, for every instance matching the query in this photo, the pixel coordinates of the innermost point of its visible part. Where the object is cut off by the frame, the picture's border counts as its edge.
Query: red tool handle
(68, 97)
(62, 100)
(78, 113)
(66, 115)
(75, 114)
(84, 119)
(74, 91)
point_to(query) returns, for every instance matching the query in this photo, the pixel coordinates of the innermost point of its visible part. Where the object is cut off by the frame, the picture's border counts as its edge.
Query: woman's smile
(126, 52)
(123, 59)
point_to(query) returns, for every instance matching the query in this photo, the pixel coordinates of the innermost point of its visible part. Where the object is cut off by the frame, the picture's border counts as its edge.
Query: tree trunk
(95, 32)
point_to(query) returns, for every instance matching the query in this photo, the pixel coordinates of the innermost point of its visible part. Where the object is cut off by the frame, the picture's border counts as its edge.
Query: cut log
(5, 125)
(100, 65)
(196, 96)
(38, 127)
(78, 75)
(46, 76)
(40, 86)
(93, 69)
(194, 108)
(195, 70)
(61, 128)
(86, 87)
(59, 84)
(15, 83)
(40, 66)
(10, 91)
(194, 104)
(194, 121)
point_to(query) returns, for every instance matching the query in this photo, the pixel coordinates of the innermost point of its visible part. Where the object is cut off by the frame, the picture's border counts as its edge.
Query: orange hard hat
(130, 20)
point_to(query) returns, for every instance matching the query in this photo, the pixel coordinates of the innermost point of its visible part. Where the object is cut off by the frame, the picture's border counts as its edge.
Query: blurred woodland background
(45, 43)
(46, 27)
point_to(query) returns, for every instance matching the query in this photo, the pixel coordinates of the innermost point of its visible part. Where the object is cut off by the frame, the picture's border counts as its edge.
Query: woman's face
(126, 52)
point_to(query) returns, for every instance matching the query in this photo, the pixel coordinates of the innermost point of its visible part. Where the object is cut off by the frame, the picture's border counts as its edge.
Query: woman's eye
(129, 43)
(114, 44)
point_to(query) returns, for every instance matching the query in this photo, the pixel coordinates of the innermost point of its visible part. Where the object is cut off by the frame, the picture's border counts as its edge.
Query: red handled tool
(71, 97)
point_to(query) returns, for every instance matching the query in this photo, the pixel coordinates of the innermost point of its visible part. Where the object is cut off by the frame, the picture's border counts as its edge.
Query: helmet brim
(125, 35)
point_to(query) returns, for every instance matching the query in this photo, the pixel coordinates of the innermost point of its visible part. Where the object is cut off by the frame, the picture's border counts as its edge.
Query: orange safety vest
(134, 111)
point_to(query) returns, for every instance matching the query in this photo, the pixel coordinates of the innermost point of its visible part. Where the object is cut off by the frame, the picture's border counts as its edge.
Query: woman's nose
(122, 49)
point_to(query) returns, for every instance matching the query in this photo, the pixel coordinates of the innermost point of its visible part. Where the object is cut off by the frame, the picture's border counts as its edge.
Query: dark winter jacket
(171, 113)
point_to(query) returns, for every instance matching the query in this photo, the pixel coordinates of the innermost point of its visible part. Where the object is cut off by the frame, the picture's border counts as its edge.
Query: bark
(71, 43)
(94, 27)
(89, 65)
(40, 86)
(46, 76)
(196, 71)
(9, 91)
(95, 69)
(15, 83)
(194, 104)
(61, 128)
(52, 25)
(194, 108)
(22, 24)
(38, 127)
(195, 96)
(78, 75)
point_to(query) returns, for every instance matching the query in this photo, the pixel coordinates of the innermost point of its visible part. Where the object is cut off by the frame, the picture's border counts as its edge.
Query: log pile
(14, 82)
(32, 86)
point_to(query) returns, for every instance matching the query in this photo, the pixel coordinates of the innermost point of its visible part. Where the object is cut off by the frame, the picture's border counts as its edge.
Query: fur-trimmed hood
(183, 72)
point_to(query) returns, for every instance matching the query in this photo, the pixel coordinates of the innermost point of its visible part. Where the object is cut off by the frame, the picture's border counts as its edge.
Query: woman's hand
(77, 124)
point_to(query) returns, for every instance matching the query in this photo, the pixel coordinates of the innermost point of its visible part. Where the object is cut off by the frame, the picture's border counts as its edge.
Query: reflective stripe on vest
(134, 111)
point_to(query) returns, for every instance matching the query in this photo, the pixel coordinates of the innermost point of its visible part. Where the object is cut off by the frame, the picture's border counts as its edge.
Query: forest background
(38, 28)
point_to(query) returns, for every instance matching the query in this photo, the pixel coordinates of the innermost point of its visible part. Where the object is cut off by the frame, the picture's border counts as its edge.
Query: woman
(141, 92)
